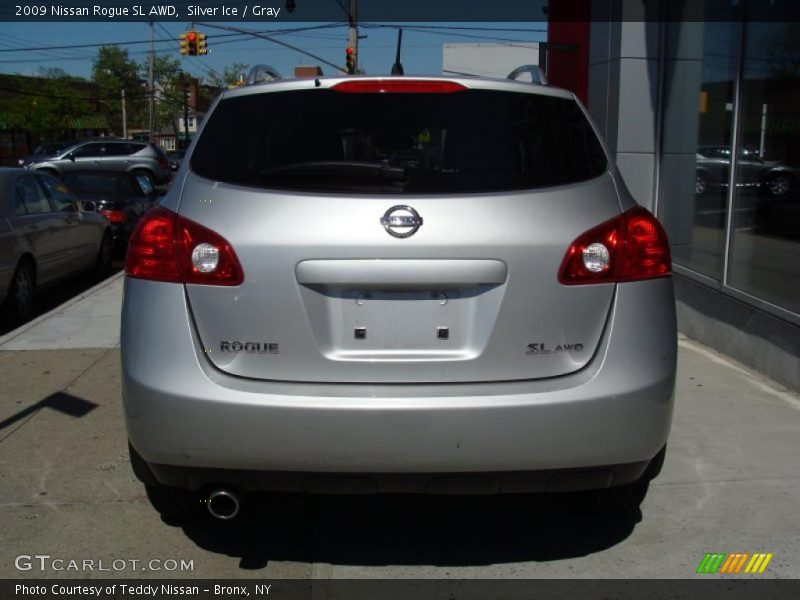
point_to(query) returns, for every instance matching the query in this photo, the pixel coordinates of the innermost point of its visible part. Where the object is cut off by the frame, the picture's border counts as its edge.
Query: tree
(230, 77)
(168, 83)
(43, 106)
(57, 73)
(113, 70)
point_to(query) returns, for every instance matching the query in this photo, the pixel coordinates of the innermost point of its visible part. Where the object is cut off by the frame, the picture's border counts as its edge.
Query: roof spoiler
(262, 73)
(537, 75)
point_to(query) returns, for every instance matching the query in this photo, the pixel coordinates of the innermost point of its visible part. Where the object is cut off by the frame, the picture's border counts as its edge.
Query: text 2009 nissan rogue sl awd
(393, 285)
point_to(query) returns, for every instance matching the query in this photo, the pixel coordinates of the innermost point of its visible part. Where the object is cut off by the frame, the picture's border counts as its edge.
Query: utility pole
(185, 111)
(352, 36)
(124, 117)
(152, 85)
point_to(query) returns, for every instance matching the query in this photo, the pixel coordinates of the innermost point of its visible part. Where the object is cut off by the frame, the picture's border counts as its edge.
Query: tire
(620, 500)
(170, 503)
(779, 185)
(104, 256)
(22, 292)
(624, 499)
(700, 184)
(174, 503)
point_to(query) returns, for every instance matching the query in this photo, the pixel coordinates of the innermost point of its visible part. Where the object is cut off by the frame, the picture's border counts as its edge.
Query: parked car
(380, 292)
(44, 151)
(753, 171)
(175, 157)
(108, 155)
(45, 235)
(121, 197)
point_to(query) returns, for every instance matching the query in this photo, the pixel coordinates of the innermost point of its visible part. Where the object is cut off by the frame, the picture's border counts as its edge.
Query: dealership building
(700, 104)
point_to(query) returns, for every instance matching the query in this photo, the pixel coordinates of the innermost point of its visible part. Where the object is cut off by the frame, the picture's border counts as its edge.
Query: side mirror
(71, 156)
(89, 206)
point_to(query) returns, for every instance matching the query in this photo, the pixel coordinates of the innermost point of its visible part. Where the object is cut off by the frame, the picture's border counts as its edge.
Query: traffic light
(350, 62)
(201, 43)
(189, 43)
(184, 37)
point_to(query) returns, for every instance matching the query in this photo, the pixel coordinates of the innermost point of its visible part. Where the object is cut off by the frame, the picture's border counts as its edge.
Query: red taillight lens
(115, 216)
(396, 86)
(630, 247)
(161, 248)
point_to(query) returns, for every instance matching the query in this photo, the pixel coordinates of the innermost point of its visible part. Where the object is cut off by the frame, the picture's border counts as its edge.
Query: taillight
(630, 247)
(168, 247)
(398, 86)
(115, 216)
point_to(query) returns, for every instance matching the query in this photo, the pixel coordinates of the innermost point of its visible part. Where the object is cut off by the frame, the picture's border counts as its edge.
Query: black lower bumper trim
(500, 482)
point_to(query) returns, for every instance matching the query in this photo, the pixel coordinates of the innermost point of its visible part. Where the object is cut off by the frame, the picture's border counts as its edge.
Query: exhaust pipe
(223, 504)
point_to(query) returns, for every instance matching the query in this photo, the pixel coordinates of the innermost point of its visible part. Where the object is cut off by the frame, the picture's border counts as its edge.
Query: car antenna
(397, 67)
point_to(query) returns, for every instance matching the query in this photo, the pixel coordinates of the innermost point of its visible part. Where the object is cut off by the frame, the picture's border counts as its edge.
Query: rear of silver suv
(368, 285)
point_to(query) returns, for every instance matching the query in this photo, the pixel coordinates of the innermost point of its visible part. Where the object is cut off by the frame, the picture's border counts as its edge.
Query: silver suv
(424, 285)
(106, 155)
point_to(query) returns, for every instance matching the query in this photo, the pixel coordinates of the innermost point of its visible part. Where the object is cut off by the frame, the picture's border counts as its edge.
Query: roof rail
(262, 73)
(537, 75)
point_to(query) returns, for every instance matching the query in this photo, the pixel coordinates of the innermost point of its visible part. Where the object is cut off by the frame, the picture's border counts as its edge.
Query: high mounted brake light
(630, 247)
(396, 86)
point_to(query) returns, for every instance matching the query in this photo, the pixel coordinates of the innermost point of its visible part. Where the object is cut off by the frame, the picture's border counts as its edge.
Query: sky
(421, 50)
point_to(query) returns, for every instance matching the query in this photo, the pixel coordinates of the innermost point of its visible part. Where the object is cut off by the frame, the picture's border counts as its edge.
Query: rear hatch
(399, 235)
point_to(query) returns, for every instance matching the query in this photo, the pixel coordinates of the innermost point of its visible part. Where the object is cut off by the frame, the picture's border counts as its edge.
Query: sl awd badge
(540, 349)
(401, 221)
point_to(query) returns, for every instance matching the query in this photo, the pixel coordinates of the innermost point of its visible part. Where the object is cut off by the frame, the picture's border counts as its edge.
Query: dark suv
(107, 155)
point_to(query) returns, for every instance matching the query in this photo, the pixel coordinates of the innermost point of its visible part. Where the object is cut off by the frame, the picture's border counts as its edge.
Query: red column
(569, 22)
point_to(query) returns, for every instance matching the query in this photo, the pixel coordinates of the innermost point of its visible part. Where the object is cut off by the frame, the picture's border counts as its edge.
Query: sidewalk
(89, 320)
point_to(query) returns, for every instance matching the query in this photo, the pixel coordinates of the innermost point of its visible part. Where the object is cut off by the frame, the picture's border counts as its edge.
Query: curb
(60, 308)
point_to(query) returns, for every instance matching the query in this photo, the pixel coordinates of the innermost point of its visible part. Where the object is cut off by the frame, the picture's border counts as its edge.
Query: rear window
(470, 141)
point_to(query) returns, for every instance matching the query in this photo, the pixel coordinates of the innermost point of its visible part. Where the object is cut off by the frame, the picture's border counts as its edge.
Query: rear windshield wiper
(339, 168)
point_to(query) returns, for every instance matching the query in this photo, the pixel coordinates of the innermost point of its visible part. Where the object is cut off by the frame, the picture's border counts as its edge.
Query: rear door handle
(401, 273)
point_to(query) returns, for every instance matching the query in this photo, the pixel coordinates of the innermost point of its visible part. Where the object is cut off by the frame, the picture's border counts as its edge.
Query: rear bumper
(185, 418)
(499, 482)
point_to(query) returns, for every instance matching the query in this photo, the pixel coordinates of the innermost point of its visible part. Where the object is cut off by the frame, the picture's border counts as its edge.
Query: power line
(432, 31)
(269, 39)
(143, 95)
(195, 62)
(264, 33)
(455, 27)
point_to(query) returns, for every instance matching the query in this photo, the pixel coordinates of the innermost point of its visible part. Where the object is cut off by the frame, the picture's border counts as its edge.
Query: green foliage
(43, 106)
(168, 82)
(113, 70)
(57, 73)
(230, 76)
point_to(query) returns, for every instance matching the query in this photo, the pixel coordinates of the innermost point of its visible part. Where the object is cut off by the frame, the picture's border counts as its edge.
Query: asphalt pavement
(731, 483)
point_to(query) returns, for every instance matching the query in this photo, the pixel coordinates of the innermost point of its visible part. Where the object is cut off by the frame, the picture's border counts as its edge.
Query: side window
(62, 198)
(19, 203)
(32, 195)
(120, 149)
(133, 148)
(89, 151)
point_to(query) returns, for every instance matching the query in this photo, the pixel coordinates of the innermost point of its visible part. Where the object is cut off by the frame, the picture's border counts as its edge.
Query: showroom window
(730, 157)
